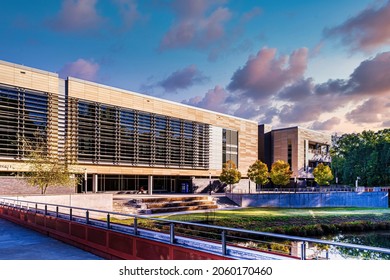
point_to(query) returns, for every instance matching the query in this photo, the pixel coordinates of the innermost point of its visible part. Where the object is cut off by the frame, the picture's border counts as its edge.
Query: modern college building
(119, 140)
(302, 148)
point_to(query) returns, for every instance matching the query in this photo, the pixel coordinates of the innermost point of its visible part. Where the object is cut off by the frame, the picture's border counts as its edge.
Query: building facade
(302, 148)
(118, 140)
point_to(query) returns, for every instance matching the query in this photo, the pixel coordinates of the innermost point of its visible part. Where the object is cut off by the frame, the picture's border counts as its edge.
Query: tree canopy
(46, 170)
(365, 155)
(280, 173)
(322, 174)
(230, 174)
(258, 173)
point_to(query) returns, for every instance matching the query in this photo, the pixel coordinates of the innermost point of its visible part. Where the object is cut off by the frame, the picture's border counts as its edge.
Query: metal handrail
(223, 230)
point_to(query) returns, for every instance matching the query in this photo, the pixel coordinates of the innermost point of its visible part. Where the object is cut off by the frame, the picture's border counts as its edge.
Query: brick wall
(18, 186)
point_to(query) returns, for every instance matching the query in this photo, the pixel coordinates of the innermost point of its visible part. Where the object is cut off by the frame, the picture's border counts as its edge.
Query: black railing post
(135, 226)
(172, 233)
(87, 217)
(224, 242)
(108, 221)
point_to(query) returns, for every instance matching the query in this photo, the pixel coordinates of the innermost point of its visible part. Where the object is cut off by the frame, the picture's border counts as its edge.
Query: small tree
(230, 175)
(46, 170)
(258, 173)
(322, 174)
(280, 173)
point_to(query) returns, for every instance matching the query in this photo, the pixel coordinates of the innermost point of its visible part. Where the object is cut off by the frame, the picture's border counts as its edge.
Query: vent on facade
(22, 72)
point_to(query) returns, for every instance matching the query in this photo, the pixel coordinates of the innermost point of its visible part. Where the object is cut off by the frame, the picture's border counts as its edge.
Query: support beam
(94, 183)
(150, 184)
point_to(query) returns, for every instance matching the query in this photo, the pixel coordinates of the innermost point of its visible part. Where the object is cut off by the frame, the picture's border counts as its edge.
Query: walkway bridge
(114, 235)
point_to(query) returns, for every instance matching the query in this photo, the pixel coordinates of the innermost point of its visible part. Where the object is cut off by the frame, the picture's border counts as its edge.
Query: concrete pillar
(94, 183)
(150, 184)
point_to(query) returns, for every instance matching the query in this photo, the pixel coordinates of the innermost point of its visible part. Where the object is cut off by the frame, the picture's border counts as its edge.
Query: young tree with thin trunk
(322, 174)
(230, 174)
(280, 173)
(258, 173)
(46, 170)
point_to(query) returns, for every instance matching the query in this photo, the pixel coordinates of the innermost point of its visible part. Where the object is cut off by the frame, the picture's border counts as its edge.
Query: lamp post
(357, 182)
(295, 184)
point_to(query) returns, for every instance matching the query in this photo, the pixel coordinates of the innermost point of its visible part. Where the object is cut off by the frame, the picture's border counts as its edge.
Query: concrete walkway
(18, 243)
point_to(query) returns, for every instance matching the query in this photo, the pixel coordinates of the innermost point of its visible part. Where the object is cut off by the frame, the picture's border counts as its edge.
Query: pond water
(375, 239)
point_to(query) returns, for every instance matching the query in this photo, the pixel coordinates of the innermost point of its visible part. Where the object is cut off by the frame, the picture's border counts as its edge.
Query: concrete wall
(200, 186)
(99, 201)
(303, 200)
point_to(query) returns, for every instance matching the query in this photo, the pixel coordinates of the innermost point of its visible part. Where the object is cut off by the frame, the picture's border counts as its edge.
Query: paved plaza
(18, 243)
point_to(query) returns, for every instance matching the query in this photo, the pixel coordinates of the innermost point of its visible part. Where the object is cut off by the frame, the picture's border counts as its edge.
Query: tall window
(289, 153)
(230, 146)
(23, 115)
(125, 136)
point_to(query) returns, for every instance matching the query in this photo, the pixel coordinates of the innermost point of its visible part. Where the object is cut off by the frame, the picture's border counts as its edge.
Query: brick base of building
(18, 186)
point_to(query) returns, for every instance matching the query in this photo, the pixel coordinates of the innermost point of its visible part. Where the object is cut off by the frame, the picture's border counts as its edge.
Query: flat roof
(299, 128)
(121, 90)
(28, 68)
(156, 98)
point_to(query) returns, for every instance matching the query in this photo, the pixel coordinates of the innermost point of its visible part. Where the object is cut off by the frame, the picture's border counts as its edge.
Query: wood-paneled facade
(130, 133)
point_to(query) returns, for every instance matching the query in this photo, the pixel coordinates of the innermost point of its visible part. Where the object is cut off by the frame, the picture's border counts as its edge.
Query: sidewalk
(18, 243)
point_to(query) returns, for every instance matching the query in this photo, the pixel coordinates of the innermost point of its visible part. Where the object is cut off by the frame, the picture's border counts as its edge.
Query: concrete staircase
(157, 205)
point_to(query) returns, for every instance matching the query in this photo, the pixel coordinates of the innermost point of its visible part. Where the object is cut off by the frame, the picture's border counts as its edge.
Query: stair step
(179, 209)
(178, 204)
(168, 199)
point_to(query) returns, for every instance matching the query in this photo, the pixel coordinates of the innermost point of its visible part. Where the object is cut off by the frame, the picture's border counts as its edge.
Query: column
(94, 183)
(150, 184)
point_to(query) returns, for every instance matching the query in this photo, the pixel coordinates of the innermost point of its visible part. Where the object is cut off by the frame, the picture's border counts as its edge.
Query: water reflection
(375, 239)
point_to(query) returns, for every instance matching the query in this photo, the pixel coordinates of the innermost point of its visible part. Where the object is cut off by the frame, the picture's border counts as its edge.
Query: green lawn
(309, 221)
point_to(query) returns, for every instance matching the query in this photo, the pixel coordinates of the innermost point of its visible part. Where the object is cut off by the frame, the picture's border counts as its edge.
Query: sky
(322, 65)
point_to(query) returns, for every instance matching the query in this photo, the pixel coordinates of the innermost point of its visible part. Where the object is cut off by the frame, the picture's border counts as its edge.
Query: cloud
(128, 10)
(76, 15)
(182, 79)
(371, 111)
(82, 69)
(254, 12)
(326, 125)
(195, 26)
(214, 100)
(265, 74)
(368, 30)
(372, 76)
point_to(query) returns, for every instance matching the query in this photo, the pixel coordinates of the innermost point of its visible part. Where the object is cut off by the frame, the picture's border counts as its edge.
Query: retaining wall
(307, 200)
(98, 201)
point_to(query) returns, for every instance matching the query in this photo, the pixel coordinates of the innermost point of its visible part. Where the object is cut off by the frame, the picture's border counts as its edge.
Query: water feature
(373, 238)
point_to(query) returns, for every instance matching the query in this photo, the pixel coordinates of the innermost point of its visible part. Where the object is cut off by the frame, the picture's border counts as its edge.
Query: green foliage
(280, 173)
(230, 174)
(258, 173)
(46, 170)
(365, 155)
(322, 174)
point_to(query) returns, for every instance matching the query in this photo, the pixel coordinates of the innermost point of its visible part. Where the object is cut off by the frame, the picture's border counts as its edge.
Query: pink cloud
(326, 125)
(182, 79)
(373, 110)
(128, 9)
(366, 31)
(194, 25)
(80, 68)
(265, 74)
(214, 99)
(76, 15)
